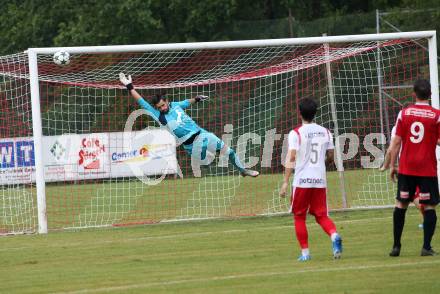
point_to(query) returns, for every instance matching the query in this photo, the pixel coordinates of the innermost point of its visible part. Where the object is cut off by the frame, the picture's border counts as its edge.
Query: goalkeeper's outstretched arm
(188, 102)
(127, 82)
(198, 98)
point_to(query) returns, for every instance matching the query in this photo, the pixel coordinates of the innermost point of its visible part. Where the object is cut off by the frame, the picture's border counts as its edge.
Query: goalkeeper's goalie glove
(126, 81)
(200, 98)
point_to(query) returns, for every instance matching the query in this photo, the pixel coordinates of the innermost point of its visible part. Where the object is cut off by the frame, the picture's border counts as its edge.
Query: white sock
(305, 252)
(333, 236)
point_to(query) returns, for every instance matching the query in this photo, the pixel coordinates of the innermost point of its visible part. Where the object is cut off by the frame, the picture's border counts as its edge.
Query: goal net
(106, 164)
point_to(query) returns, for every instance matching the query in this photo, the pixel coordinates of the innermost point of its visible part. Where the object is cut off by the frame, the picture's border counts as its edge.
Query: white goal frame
(35, 96)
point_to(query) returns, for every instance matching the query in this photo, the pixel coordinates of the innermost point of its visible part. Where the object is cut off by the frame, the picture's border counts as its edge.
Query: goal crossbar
(237, 44)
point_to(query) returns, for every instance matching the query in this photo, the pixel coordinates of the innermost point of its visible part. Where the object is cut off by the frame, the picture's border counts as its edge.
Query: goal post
(38, 142)
(433, 70)
(99, 161)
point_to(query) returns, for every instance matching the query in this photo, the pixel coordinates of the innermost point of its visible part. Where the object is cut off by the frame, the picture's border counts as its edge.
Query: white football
(61, 58)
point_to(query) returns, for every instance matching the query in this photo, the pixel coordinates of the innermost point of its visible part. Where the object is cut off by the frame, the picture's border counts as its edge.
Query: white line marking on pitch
(186, 235)
(244, 276)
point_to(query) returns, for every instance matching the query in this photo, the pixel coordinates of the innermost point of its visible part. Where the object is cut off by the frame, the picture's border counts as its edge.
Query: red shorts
(311, 200)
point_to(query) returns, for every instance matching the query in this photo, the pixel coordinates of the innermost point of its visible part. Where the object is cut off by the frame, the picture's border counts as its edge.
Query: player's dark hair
(308, 108)
(156, 98)
(422, 88)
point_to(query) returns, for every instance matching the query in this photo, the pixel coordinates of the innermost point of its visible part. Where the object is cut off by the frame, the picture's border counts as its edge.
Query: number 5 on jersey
(314, 156)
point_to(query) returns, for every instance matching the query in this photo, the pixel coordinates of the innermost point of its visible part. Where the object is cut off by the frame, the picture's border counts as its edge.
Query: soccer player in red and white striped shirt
(308, 146)
(417, 134)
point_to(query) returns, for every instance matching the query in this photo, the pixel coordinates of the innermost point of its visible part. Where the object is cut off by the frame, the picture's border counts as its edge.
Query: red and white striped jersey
(419, 127)
(311, 142)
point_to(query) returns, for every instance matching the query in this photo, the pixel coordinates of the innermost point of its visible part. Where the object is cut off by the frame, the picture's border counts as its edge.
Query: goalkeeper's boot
(395, 251)
(249, 173)
(428, 252)
(303, 258)
(337, 247)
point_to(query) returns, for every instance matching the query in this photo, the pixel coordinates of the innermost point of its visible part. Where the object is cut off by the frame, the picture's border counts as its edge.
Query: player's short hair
(156, 98)
(308, 108)
(422, 88)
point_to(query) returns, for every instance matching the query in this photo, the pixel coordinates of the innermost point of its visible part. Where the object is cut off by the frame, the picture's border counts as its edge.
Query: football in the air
(61, 58)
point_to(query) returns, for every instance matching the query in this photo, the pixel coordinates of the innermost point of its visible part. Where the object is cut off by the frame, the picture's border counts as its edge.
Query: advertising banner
(72, 157)
(17, 161)
(143, 153)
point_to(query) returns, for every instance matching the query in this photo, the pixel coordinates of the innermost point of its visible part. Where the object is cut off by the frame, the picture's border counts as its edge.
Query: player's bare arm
(289, 166)
(386, 161)
(330, 157)
(394, 149)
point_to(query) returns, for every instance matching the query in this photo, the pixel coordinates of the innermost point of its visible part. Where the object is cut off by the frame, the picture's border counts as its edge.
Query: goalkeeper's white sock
(333, 236)
(305, 252)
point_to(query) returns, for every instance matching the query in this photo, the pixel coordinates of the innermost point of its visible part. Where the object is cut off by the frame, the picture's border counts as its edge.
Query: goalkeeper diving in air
(196, 141)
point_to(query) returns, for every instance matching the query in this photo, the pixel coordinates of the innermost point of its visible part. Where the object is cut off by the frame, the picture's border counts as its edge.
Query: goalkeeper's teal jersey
(176, 120)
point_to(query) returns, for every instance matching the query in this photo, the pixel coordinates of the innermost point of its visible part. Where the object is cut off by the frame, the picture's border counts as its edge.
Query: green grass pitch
(251, 255)
(130, 201)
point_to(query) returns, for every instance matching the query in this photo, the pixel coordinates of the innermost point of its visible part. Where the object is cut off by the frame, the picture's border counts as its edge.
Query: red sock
(301, 231)
(326, 224)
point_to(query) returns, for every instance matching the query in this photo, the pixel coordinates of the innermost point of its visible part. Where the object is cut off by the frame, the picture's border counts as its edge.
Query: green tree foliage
(107, 22)
(38, 23)
(31, 23)
(194, 20)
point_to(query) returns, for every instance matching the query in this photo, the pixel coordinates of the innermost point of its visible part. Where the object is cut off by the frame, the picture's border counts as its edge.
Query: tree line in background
(40, 23)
